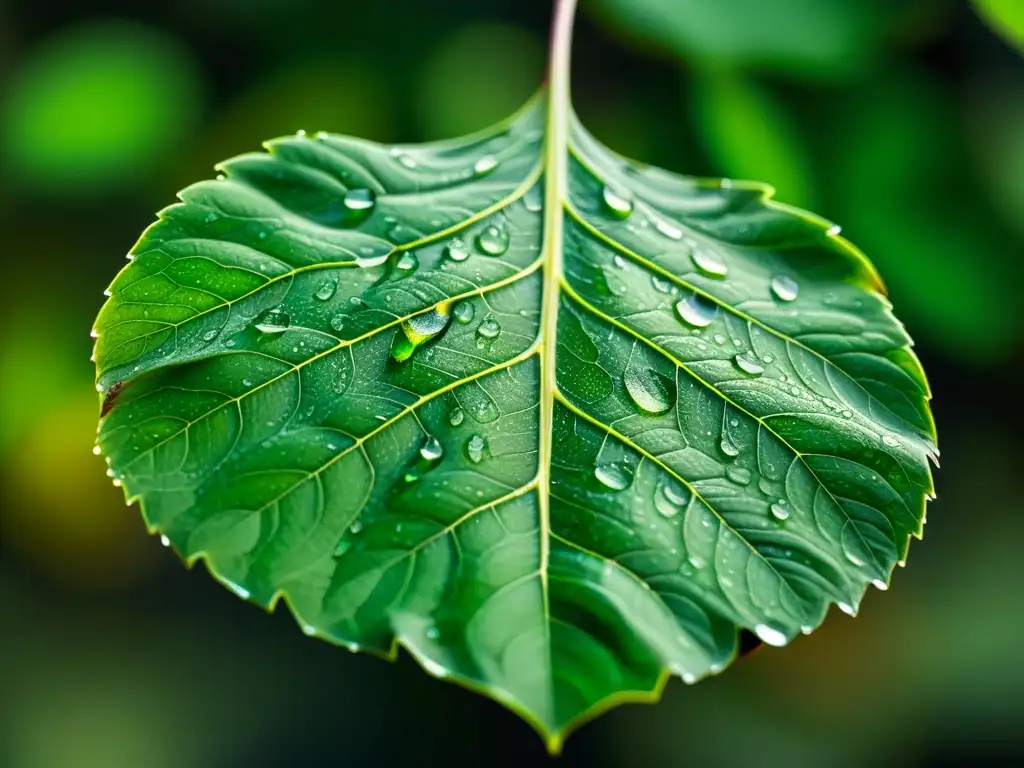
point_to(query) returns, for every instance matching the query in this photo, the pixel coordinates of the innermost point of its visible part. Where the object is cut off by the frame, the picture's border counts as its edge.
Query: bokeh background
(903, 120)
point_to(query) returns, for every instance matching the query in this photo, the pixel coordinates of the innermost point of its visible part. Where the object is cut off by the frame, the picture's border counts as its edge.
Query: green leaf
(559, 424)
(1005, 17)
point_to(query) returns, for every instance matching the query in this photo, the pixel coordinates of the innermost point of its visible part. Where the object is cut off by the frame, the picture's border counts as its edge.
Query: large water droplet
(489, 329)
(475, 447)
(616, 203)
(697, 311)
(485, 164)
(770, 635)
(457, 250)
(417, 331)
(709, 263)
(785, 288)
(738, 475)
(748, 364)
(649, 390)
(431, 450)
(326, 290)
(780, 510)
(360, 199)
(464, 312)
(493, 240)
(669, 498)
(273, 321)
(407, 262)
(729, 447)
(614, 475)
(369, 261)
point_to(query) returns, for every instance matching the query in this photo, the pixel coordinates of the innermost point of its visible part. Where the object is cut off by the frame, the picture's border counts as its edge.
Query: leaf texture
(369, 381)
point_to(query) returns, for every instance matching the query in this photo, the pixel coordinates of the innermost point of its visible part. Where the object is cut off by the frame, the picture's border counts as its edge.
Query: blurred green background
(901, 119)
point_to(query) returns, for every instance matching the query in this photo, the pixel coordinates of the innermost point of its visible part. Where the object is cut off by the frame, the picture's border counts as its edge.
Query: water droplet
(247, 382)
(485, 164)
(709, 263)
(619, 261)
(433, 633)
(616, 203)
(431, 450)
(96, 450)
(729, 447)
(785, 288)
(697, 311)
(890, 441)
(834, 230)
(616, 476)
(360, 199)
(475, 448)
(210, 335)
(661, 284)
(669, 230)
(457, 250)
(326, 291)
(847, 609)
(697, 561)
(669, 498)
(748, 364)
(738, 475)
(366, 262)
(338, 322)
(165, 541)
(417, 331)
(273, 321)
(780, 511)
(879, 585)
(407, 262)
(464, 312)
(649, 390)
(493, 240)
(456, 417)
(770, 635)
(489, 329)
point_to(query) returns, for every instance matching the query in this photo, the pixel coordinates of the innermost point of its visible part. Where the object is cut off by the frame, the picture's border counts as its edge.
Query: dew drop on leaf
(485, 164)
(457, 250)
(697, 311)
(464, 312)
(780, 511)
(770, 635)
(417, 331)
(475, 448)
(785, 288)
(649, 390)
(407, 262)
(709, 263)
(493, 240)
(431, 450)
(617, 204)
(489, 329)
(661, 284)
(273, 321)
(669, 230)
(748, 364)
(456, 417)
(890, 441)
(326, 290)
(614, 475)
(338, 322)
(729, 447)
(738, 475)
(360, 199)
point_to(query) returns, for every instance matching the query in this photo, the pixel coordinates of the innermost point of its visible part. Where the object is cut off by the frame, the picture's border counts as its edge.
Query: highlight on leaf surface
(558, 423)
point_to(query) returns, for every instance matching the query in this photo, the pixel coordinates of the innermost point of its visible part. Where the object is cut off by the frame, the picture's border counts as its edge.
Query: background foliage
(903, 120)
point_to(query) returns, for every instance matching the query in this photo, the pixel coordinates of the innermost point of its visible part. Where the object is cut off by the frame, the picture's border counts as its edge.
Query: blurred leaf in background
(995, 117)
(750, 135)
(476, 77)
(96, 105)
(816, 39)
(904, 194)
(1006, 17)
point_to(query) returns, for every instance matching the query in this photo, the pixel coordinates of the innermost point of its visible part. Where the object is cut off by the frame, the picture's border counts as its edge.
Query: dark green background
(901, 119)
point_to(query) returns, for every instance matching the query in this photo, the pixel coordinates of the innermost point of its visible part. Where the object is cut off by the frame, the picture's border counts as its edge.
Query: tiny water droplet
(457, 250)
(493, 240)
(785, 288)
(770, 635)
(433, 633)
(879, 585)
(338, 322)
(616, 203)
(359, 199)
(697, 561)
(431, 450)
(475, 448)
(615, 476)
(661, 284)
(96, 450)
(697, 310)
(326, 291)
(748, 364)
(780, 511)
(709, 263)
(165, 541)
(273, 321)
(456, 417)
(847, 609)
(834, 230)
(407, 262)
(890, 441)
(210, 335)
(485, 164)
(464, 312)
(619, 261)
